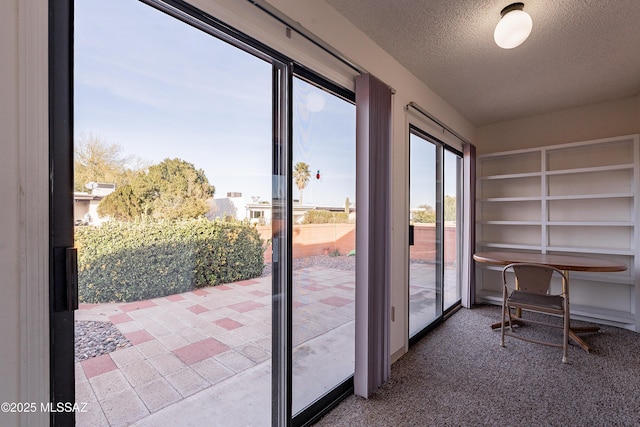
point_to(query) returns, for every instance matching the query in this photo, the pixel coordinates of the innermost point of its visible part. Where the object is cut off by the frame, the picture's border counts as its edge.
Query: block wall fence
(319, 239)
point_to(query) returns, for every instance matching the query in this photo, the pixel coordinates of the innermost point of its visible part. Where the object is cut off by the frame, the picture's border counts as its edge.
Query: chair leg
(565, 342)
(503, 325)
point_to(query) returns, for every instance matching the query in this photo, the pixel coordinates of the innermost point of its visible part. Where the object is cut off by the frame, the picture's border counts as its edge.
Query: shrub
(325, 217)
(130, 261)
(424, 217)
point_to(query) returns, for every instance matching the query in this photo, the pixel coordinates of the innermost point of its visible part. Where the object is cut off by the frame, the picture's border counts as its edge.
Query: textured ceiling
(579, 52)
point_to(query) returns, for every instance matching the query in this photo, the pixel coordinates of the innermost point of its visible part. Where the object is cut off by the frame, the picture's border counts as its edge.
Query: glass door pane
(424, 281)
(323, 243)
(173, 202)
(435, 243)
(452, 231)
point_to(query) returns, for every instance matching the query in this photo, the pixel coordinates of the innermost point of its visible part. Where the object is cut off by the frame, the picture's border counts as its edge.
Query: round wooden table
(565, 263)
(561, 262)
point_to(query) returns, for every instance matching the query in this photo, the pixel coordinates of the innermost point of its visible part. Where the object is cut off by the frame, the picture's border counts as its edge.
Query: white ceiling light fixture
(514, 27)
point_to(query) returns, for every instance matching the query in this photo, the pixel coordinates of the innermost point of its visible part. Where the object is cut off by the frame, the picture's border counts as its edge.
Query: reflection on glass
(434, 275)
(173, 214)
(423, 259)
(323, 243)
(452, 211)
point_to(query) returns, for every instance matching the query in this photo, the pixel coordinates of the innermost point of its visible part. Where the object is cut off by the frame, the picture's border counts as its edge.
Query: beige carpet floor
(458, 375)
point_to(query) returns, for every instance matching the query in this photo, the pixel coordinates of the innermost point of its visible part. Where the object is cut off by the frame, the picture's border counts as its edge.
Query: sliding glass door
(173, 214)
(452, 225)
(425, 288)
(323, 242)
(214, 221)
(434, 233)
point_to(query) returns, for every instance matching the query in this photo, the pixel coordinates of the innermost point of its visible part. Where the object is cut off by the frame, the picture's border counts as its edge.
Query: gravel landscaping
(96, 338)
(341, 262)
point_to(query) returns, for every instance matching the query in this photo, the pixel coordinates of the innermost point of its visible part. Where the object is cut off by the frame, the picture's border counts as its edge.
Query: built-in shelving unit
(575, 199)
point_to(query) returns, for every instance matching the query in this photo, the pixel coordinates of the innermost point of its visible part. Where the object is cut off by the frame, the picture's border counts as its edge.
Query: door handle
(411, 235)
(65, 279)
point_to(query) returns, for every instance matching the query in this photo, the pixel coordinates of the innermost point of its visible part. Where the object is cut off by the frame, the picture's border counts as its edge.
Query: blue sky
(162, 89)
(422, 169)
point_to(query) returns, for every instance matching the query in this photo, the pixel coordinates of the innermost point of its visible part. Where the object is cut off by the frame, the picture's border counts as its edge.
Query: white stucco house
(85, 204)
(257, 211)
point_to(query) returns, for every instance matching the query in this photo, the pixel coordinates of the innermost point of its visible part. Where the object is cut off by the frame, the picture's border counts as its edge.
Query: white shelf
(589, 224)
(592, 196)
(491, 222)
(510, 199)
(603, 279)
(594, 251)
(578, 198)
(623, 319)
(590, 170)
(511, 176)
(493, 245)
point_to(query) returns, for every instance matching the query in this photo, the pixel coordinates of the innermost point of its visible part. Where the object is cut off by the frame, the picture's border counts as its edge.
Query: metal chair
(532, 292)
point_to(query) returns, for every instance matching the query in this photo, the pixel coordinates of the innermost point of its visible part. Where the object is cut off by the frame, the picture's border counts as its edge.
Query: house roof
(579, 52)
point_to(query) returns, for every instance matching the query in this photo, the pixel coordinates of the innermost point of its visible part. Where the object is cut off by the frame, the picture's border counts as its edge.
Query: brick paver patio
(185, 344)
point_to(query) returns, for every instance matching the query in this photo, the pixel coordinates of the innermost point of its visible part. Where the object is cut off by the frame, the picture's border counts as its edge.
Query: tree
(172, 189)
(301, 176)
(123, 204)
(450, 208)
(96, 160)
(426, 215)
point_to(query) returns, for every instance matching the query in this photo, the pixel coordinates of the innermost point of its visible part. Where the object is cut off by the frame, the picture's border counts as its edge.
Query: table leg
(585, 329)
(573, 334)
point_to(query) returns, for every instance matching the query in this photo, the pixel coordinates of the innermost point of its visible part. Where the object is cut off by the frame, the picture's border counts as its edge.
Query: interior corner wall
(9, 211)
(603, 120)
(327, 24)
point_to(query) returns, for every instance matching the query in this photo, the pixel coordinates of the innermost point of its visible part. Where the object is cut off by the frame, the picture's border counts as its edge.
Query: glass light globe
(513, 29)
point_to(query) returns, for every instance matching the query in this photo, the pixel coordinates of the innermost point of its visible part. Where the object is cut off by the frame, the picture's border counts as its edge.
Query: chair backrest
(532, 278)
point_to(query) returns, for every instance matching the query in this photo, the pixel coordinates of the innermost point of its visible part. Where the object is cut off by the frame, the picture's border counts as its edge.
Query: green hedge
(131, 261)
(325, 217)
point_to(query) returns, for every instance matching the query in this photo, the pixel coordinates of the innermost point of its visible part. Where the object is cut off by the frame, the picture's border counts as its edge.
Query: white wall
(24, 333)
(9, 210)
(607, 119)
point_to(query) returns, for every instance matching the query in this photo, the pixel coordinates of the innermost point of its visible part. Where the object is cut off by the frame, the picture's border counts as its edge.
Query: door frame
(61, 228)
(441, 147)
(61, 309)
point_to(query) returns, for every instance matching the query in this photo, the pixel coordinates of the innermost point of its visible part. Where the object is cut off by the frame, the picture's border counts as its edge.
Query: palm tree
(301, 176)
